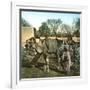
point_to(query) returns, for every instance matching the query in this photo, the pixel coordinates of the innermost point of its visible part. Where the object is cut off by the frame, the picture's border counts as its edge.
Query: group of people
(62, 50)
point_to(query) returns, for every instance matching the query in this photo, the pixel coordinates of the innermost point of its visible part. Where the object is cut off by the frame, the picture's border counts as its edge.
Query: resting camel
(47, 47)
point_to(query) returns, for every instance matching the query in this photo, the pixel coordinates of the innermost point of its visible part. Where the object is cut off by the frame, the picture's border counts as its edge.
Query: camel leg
(45, 68)
(69, 62)
(59, 68)
(47, 65)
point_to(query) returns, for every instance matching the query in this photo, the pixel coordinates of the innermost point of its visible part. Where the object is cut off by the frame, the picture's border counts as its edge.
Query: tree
(77, 23)
(76, 33)
(50, 27)
(44, 29)
(24, 23)
(66, 28)
(76, 26)
(53, 25)
(36, 33)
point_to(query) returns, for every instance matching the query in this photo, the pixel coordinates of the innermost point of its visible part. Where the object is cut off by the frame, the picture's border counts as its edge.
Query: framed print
(48, 44)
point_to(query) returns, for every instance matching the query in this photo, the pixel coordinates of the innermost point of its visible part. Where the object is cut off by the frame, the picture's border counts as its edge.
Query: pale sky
(36, 18)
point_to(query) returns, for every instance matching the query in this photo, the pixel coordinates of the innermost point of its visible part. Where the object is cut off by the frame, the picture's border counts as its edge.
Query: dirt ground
(35, 72)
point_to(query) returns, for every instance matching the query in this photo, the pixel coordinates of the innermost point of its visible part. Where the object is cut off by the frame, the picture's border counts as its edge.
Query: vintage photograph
(49, 43)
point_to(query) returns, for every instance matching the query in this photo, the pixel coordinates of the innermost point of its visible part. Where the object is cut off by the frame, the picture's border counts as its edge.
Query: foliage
(77, 55)
(49, 27)
(77, 23)
(44, 29)
(24, 23)
(53, 24)
(76, 27)
(76, 33)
